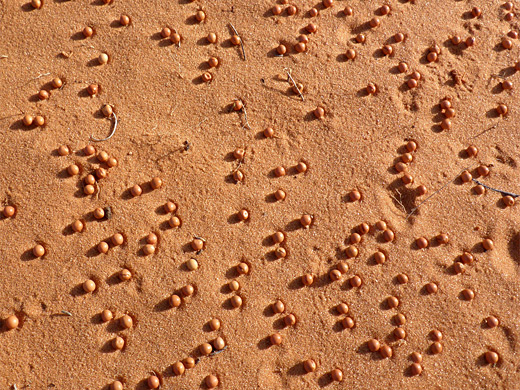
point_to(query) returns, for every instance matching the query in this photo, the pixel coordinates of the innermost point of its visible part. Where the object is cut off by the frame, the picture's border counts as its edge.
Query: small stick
(216, 352)
(245, 115)
(485, 131)
(294, 83)
(111, 134)
(435, 193)
(2, 57)
(67, 313)
(241, 40)
(503, 193)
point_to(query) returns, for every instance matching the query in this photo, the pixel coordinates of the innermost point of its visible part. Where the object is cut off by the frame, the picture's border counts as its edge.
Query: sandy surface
(161, 102)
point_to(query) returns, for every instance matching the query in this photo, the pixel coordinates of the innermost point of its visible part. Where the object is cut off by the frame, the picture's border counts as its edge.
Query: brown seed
(385, 351)
(392, 302)
(189, 362)
(39, 120)
(291, 10)
(178, 368)
(311, 28)
(166, 32)
(136, 190)
(360, 38)
(436, 348)
(432, 57)
(342, 267)
(351, 251)
(99, 213)
(507, 43)
(175, 38)
(153, 382)
(449, 113)
(306, 220)
(276, 10)
(11, 322)
(8, 211)
(348, 11)
(336, 375)
(509, 16)
(101, 173)
(416, 357)
(407, 158)
(442, 238)
(400, 166)
(304, 39)
(468, 294)
(300, 47)
(309, 365)
(205, 349)
(102, 247)
(301, 167)
(348, 323)
(411, 146)
(328, 3)
(466, 177)
(355, 238)
(458, 268)
(279, 171)
(239, 154)
(126, 321)
(502, 109)
(236, 301)
(351, 54)
(456, 40)
(379, 257)
(278, 307)
(200, 16)
(234, 285)
(412, 83)
(148, 249)
(507, 85)
(508, 6)
(235, 40)
(399, 319)
(371, 89)
(89, 286)
(124, 20)
(471, 151)
(28, 120)
(281, 50)
(470, 41)
(364, 228)
(73, 170)
(467, 258)
(402, 278)
(335, 275)
(212, 38)
(388, 50)
(354, 195)
(483, 170)
(342, 308)
(508, 200)
(276, 339)
(307, 279)
(211, 381)
(399, 37)
(492, 357)
(290, 320)
(422, 190)
(446, 124)
(118, 343)
(43, 94)
(403, 67)
(106, 315)
(415, 75)
(88, 32)
(399, 333)
(431, 288)
(125, 274)
(242, 269)
(57, 83)
(421, 243)
(206, 77)
(117, 239)
(214, 324)
(103, 59)
(238, 175)
(355, 281)
(492, 321)
(436, 335)
(476, 12)
(89, 150)
(38, 250)
(280, 253)
(89, 189)
(175, 301)
(319, 112)
(416, 369)
(313, 12)
(488, 244)
(388, 235)
(78, 226)
(278, 237)
(374, 22)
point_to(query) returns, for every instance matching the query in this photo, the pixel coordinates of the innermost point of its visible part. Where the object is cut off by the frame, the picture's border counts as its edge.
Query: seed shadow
(27, 255)
(93, 62)
(506, 72)
(264, 343)
(325, 380)
(513, 247)
(492, 113)
(18, 125)
(78, 290)
(294, 225)
(296, 284)
(497, 89)
(163, 305)
(279, 324)
(297, 370)
(268, 311)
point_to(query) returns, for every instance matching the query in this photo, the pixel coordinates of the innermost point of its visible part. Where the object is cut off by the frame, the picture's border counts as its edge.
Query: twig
(111, 134)
(241, 40)
(68, 313)
(245, 116)
(432, 195)
(2, 57)
(485, 131)
(399, 201)
(219, 351)
(503, 193)
(294, 83)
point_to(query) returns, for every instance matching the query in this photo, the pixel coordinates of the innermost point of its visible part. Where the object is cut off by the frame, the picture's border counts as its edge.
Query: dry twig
(503, 193)
(294, 83)
(241, 40)
(111, 134)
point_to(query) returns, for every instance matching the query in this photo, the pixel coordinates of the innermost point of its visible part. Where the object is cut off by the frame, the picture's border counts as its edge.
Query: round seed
(373, 345)
(214, 324)
(89, 286)
(175, 301)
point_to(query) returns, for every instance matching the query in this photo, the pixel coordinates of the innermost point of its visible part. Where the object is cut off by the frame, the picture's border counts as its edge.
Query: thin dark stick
(485, 131)
(111, 134)
(241, 40)
(503, 193)
(435, 193)
(294, 83)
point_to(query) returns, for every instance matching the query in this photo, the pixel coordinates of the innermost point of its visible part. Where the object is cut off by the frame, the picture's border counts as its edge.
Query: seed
(416, 357)
(156, 183)
(388, 50)
(28, 120)
(278, 307)
(351, 54)
(175, 301)
(219, 343)
(412, 83)
(89, 286)
(399, 37)
(364, 228)
(37, 4)
(488, 244)
(101, 173)
(421, 190)
(313, 12)
(492, 321)
(374, 22)
(402, 278)
(355, 238)
(348, 323)
(102, 247)
(355, 281)
(479, 190)
(116, 385)
(416, 76)
(421, 243)
(360, 38)
(107, 110)
(373, 345)
(57, 83)
(200, 16)
(508, 200)
(436, 335)
(276, 10)
(192, 264)
(280, 195)
(77, 226)
(301, 167)
(502, 109)
(342, 267)
(445, 104)
(234, 285)
(304, 39)
(243, 215)
(436, 348)
(354, 195)
(175, 38)
(212, 38)
(470, 41)
(307, 279)
(399, 319)
(153, 382)
(442, 238)
(238, 175)
(351, 251)
(385, 351)
(106, 315)
(8, 211)
(403, 67)
(213, 62)
(136, 190)
(400, 167)
(188, 290)
(468, 294)
(348, 11)
(276, 339)
(211, 381)
(242, 269)
(508, 6)
(124, 20)
(189, 362)
(432, 57)
(476, 12)
(73, 170)
(507, 43)
(43, 94)
(236, 301)
(103, 58)
(11, 322)
(335, 275)
(88, 32)
(118, 343)
(492, 357)
(309, 365)
(148, 249)
(509, 16)
(342, 308)
(178, 368)
(235, 40)
(466, 177)
(38, 250)
(388, 235)
(125, 275)
(300, 47)
(371, 89)
(311, 28)
(197, 244)
(379, 257)
(328, 3)
(507, 85)
(458, 268)
(166, 32)
(291, 10)
(170, 207)
(416, 369)
(290, 320)
(89, 150)
(39, 120)
(174, 222)
(456, 40)
(392, 302)
(399, 333)
(431, 288)
(214, 324)
(336, 375)
(467, 258)
(205, 349)
(483, 170)
(126, 321)
(206, 77)
(117, 239)
(306, 220)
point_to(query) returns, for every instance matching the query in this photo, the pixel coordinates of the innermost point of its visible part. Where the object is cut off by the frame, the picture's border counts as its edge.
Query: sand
(161, 102)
